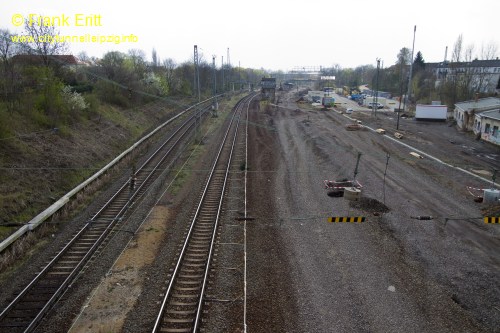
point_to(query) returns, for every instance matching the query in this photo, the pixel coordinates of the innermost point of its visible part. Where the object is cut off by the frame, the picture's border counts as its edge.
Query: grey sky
(276, 34)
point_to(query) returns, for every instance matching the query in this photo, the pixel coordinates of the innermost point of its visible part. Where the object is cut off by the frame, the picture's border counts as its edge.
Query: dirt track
(391, 273)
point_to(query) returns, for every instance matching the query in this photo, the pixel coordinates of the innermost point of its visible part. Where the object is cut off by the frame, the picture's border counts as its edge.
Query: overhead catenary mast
(215, 105)
(196, 86)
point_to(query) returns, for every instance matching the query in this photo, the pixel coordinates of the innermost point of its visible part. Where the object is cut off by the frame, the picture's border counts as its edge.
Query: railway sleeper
(178, 320)
(189, 282)
(192, 291)
(176, 330)
(23, 313)
(177, 312)
(184, 298)
(183, 275)
(200, 238)
(197, 253)
(182, 302)
(204, 225)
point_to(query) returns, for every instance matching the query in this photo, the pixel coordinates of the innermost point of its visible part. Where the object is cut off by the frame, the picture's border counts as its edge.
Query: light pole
(411, 66)
(215, 106)
(400, 90)
(375, 104)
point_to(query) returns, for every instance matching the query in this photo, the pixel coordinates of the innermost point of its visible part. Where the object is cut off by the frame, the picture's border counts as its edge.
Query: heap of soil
(491, 210)
(369, 205)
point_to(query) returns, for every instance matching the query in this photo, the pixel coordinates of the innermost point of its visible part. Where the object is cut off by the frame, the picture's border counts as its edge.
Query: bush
(74, 100)
(112, 94)
(5, 128)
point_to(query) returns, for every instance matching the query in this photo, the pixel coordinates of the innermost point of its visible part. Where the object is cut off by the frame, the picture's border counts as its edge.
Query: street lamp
(411, 65)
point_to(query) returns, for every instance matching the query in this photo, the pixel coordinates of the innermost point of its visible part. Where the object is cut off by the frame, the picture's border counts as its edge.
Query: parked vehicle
(376, 104)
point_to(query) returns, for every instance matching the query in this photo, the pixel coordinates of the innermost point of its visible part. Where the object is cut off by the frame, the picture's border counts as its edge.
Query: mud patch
(369, 205)
(118, 292)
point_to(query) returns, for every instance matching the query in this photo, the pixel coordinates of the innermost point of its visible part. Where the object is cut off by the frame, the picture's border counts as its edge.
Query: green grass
(122, 118)
(6, 231)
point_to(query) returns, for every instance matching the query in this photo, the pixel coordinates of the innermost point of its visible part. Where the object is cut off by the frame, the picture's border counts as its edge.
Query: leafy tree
(418, 63)
(404, 56)
(113, 65)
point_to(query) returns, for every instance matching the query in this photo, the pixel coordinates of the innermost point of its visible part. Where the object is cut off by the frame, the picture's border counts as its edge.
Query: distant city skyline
(265, 34)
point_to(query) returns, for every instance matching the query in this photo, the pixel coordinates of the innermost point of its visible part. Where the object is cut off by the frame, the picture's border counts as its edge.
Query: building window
(487, 128)
(495, 131)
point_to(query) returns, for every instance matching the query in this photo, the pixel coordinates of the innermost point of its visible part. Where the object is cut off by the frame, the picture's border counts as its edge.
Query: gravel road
(391, 273)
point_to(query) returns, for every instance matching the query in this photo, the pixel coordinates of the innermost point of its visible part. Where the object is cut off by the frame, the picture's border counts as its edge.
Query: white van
(376, 104)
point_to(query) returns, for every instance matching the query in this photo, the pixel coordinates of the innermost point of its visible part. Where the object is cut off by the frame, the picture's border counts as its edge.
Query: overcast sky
(275, 34)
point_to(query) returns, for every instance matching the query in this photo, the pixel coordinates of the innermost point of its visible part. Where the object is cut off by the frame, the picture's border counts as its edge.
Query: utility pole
(196, 86)
(400, 90)
(411, 66)
(222, 68)
(356, 168)
(375, 104)
(230, 71)
(215, 106)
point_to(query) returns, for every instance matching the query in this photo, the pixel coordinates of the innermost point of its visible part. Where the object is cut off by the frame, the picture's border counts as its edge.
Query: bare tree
(170, 65)
(42, 41)
(7, 46)
(137, 60)
(452, 77)
(489, 51)
(7, 50)
(457, 49)
(467, 74)
(154, 58)
(83, 56)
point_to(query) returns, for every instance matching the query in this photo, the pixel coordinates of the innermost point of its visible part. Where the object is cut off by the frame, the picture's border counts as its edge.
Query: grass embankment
(40, 165)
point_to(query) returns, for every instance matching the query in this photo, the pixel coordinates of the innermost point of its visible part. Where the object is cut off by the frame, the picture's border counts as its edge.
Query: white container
(352, 193)
(491, 196)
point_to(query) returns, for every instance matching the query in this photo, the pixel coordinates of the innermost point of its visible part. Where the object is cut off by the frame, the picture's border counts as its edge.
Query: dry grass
(24, 247)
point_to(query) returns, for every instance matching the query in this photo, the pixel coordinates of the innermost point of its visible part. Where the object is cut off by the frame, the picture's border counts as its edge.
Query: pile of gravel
(369, 205)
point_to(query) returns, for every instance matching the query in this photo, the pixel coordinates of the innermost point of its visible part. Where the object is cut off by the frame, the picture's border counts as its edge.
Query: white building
(483, 75)
(489, 124)
(466, 113)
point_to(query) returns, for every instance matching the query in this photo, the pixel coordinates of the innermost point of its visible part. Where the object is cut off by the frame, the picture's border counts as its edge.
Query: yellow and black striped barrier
(492, 219)
(351, 219)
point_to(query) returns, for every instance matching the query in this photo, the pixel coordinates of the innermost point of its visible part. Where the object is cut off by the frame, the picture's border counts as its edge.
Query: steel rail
(43, 216)
(116, 217)
(160, 317)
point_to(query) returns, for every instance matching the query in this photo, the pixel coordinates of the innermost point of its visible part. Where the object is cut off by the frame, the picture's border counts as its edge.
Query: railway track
(27, 309)
(182, 303)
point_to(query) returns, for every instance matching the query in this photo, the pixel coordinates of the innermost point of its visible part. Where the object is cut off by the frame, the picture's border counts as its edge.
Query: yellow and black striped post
(351, 219)
(492, 219)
